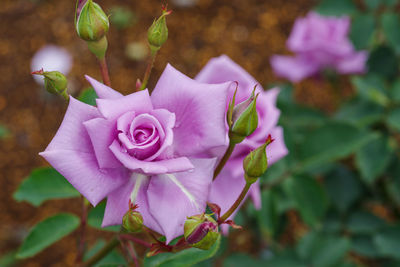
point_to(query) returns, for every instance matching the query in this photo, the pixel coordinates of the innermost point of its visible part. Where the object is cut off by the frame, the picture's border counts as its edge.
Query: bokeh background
(248, 31)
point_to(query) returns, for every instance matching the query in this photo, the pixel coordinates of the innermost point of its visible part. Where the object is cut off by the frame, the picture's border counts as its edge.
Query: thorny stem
(236, 204)
(102, 253)
(224, 159)
(133, 254)
(104, 71)
(81, 246)
(148, 70)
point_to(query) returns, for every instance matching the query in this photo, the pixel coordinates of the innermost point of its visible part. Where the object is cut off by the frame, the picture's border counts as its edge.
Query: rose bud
(132, 221)
(244, 119)
(92, 23)
(157, 34)
(255, 163)
(201, 231)
(54, 81)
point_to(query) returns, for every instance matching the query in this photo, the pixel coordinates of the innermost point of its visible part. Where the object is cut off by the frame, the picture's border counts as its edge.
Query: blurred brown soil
(249, 31)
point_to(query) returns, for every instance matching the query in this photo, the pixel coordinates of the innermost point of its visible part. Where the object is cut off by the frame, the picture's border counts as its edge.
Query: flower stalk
(224, 159)
(149, 68)
(104, 71)
(235, 205)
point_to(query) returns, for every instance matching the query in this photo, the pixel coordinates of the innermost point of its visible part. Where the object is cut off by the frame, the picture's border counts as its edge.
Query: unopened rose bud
(54, 81)
(201, 231)
(92, 23)
(157, 34)
(132, 221)
(244, 119)
(255, 164)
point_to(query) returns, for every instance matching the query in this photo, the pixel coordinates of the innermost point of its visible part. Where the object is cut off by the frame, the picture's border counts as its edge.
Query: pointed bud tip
(269, 139)
(38, 72)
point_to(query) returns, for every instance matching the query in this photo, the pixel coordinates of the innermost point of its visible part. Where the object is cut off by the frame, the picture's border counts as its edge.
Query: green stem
(148, 70)
(82, 243)
(236, 204)
(102, 253)
(65, 95)
(104, 71)
(224, 159)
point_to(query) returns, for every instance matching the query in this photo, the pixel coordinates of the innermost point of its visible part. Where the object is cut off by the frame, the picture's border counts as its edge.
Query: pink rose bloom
(319, 43)
(230, 182)
(145, 149)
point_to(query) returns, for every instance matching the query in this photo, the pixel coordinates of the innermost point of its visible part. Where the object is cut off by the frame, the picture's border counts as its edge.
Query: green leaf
(373, 158)
(47, 232)
(362, 30)
(392, 181)
(391, 24)
(364, 246)
(395, 91)
(95, 218)
(387, 241)
(294, 115)
(240, 260)
(268, 217)
(360, 112)
(323, 250)
(372, 88)
(44, 184)
(184, 258)
(373, 4)
(362, 222)
(332, 141)
(335, 183)
(88, 96)
(111, 259)
(393, 119)
(336, 7)
(382, 61)
(309, 197)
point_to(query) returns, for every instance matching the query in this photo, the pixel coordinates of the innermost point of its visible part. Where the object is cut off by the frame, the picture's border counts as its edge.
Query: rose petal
(293, 68)
(277, 149)
(150, 167)
(72, 134)
(102, 90)
(222, 69)
(118, 205)
(82, 171)
(102, 133)
(198, 108)
(174, 197)
(138, 102)
(355, 63)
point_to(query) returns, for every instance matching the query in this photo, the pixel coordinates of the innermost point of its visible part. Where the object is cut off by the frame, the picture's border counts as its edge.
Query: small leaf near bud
(255, 164)
(201, 231)
(92, 23)
(244, 119)
(54, 81)
(157, 34)
(132, 220)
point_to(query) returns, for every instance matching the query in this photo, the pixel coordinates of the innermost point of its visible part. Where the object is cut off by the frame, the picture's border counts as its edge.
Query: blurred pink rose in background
(319, 43)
